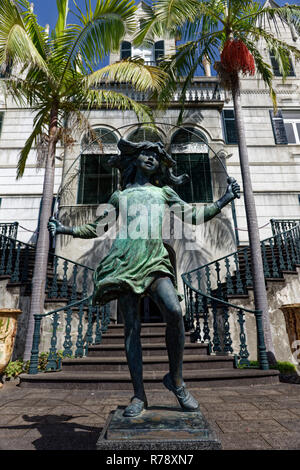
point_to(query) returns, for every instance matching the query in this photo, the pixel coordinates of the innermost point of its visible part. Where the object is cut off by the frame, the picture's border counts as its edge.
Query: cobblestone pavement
(245, 418)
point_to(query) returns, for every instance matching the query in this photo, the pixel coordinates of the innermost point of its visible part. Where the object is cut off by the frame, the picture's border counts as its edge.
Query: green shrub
(283, 367)
(15, 368)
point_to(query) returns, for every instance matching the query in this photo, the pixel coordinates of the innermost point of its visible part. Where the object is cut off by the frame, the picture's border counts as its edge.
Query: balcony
(204, 92)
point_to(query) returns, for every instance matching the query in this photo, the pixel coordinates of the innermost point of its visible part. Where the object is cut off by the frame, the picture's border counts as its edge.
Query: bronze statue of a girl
(139, 266)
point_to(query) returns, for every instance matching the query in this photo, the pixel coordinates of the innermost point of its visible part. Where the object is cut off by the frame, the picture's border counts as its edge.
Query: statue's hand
(55, 226)
(233, 189)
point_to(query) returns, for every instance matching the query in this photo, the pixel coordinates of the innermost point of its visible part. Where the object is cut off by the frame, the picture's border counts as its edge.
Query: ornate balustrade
(65, 279)
(209, 320)
(70, 331)
(209, 287)
(231, 275)
(199, 91)
(9, 229)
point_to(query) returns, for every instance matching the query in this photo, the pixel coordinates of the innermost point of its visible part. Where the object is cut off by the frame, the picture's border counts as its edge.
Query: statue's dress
(138, 256)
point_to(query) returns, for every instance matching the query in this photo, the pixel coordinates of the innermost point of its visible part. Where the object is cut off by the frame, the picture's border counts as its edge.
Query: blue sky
(46, 10)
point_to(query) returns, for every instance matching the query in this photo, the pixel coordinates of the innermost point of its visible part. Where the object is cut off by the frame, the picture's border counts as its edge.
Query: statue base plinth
(158, 428)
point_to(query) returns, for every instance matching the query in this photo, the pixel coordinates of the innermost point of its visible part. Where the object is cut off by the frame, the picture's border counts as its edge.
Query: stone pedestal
(158, 428)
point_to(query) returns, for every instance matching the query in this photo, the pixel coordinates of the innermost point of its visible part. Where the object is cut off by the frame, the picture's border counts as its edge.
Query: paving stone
(290, 424)
(210, 399)
(15, 444)
(265, 414)
(230, 406)
(13, 431)
(288, 403)
(222, 416)
(259, 426)
(268, 405)
(6, 418)
(15, 410)
(283, 441)
(243, 441)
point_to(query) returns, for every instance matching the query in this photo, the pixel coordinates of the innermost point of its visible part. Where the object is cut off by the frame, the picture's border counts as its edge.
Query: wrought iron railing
(82, 323)
(208, 319)
(231, 275)
(208, 290)
(9, 229)
(282, 225)
(66, 280)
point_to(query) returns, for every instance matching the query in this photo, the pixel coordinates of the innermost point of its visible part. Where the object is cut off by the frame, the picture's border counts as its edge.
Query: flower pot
(8, 329)
(292, 320)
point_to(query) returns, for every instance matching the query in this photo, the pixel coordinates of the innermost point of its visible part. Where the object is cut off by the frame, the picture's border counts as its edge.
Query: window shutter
(278, 128)
(1, 122)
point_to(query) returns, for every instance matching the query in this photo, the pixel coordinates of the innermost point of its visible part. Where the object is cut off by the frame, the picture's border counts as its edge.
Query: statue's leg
(163, 293)
(129, 308)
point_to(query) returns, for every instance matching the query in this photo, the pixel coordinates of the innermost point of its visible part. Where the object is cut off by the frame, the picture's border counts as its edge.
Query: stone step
(146, 328)
(156, 349)
(156, 337)
(154, 363)
(152, 380)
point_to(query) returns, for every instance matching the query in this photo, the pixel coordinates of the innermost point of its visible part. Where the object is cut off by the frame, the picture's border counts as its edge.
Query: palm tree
(56, 77)
(230, 30)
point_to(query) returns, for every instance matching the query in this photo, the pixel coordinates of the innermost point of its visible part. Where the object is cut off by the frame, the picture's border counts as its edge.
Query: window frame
(205, 164)
(122, 50)
(83, 174)
(225, 133)
(294, 122)
(1, 121)
(275, 66)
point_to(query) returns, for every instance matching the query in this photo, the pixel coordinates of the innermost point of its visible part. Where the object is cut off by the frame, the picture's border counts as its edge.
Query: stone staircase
(105, 367)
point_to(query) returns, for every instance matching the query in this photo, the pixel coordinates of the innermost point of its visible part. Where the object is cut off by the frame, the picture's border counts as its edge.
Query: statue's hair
(126, 163)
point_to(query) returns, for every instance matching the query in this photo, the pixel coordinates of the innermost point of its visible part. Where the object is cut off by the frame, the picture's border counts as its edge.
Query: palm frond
(38, 129)
(109, 99)
(132, 71)
(98, 33)
(63, 9)
(16, 42)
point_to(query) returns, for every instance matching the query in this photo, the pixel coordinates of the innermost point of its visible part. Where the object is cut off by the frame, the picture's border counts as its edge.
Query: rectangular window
(97, 180)
(199, 188)
(1, 121)
(229, 126)
(275, 67)
(291, 121)
(286, 127)
(278, 126)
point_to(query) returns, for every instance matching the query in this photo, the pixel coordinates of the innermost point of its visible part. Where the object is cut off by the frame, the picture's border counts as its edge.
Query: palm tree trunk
(42, 246)
(260, 294)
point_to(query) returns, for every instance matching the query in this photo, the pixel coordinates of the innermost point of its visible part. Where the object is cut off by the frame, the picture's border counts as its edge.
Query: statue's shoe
(135, 407)
(185, 398)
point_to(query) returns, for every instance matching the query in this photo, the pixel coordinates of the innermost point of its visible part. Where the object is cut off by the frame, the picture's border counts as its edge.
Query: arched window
(97, 180)
(189, 149)
(159, 50)
(141, 134)
(125, 49)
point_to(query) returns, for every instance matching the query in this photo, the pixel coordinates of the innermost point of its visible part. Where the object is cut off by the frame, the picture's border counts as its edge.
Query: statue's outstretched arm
(197, 215)
(84, 231)
(87, 230)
